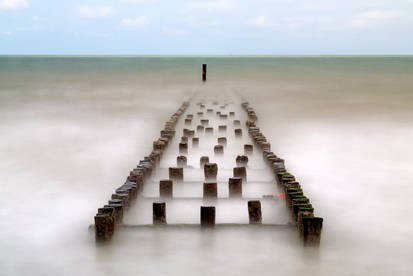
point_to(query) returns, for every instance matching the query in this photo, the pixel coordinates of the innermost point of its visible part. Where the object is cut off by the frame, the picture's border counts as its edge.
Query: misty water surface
(72, 129)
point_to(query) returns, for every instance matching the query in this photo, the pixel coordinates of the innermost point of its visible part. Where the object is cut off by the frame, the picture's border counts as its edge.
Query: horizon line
(194, 56)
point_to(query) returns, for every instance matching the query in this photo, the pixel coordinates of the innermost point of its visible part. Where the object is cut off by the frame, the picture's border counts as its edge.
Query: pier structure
(221, 163)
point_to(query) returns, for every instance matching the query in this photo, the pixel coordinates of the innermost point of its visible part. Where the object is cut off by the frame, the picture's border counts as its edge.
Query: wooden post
(203, 160)
(210, 190)
(222, 128)
(235, 187)
(254, 212)
(238, 132)
(181, 161)
(204, 72)
(105, 224)
(176, 174)
(241, 160)
(183, 148)
(207, 216)
(240, 172)
(222, 141)
(248, 149)
(311, 230)
(166, 188)
(195, 142)
(219, 149)
(159, 212)
(211, 171)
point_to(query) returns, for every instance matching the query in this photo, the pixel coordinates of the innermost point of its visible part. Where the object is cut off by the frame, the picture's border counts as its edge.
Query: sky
(211, 27)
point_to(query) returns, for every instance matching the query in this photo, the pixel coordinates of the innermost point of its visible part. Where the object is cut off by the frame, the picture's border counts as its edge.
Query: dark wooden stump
(203, 160)
(240, 172)
(211, 171)
(183, 148)
(166, 188)
(219, 149)
(241, 160)
(159, 212)
(181, 161)
(195, 142)
(222, 141)
(210, 190)
(176, 174)
(254, 211)
(222, 128)
(235, 187)
(207, 216)
(248, 149)
(311, 231)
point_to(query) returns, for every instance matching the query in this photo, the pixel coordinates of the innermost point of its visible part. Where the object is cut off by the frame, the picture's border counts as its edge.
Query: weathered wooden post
(104, 224)
(176, 174)
(222, 128)
(181, 161)
(200, 128)
(240, 172)
(195, 142)
(211, 171)
(219, 149)
(166, 188)
(248, 149)
(235, 187)
(204, 122)
(209, 130)
(159, 212)
(237, 123)
(204, 72)
(203, 160)
(207, 216)
(222, 141)
(210, 190)
(311, 230)
(183, 148)
(254, 211)
(241, 160)
(238, 132)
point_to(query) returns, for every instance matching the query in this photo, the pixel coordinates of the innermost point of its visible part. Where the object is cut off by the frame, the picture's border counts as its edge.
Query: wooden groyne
(302, 211)
(205, 122)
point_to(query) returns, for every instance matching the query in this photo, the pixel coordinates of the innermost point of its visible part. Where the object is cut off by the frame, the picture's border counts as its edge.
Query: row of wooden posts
(111, 214)
(302, 211)
(176, 174)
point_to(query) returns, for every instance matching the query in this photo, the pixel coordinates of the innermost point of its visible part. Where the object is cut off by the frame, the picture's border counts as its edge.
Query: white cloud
(135, 22)
(93, 12)
(261, 21)
(370, 18)
(13, 4)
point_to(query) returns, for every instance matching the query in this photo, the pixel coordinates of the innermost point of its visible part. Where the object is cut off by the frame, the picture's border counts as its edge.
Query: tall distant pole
(204, 72)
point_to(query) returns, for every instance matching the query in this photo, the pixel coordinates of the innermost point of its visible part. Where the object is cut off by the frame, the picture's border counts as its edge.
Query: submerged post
(204, 71)
(254, 212)
(159, 212)
(207, 216)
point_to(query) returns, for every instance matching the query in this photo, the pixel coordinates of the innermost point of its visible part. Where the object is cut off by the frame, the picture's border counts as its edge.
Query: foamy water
(72, 128)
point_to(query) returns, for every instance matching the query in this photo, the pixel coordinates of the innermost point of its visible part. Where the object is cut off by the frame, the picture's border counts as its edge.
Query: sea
(72, 128)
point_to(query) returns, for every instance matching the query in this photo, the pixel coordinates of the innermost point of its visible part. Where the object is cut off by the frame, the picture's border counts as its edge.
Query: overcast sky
(212, 27)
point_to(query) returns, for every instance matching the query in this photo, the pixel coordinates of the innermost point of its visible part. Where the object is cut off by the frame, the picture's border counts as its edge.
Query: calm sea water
(71, 128)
